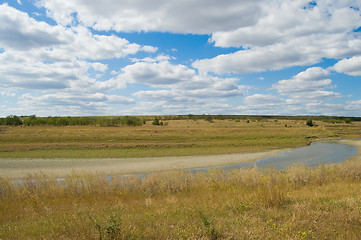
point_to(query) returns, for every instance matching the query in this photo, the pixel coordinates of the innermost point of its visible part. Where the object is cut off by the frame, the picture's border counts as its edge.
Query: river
(326, 152)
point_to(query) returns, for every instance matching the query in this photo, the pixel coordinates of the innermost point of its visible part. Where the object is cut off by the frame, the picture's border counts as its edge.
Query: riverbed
(313, 155)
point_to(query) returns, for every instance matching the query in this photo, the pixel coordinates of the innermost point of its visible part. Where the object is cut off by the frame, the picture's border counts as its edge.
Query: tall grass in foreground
(299, 203)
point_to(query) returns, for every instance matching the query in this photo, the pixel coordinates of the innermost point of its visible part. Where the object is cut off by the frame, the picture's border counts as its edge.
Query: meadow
(250, 203)
(299, 203)
(174, 138)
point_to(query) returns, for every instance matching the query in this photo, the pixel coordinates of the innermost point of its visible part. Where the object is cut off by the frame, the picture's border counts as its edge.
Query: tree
(13, 120)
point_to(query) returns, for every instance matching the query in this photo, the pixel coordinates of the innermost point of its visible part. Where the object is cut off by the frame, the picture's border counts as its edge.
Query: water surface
(330, 152)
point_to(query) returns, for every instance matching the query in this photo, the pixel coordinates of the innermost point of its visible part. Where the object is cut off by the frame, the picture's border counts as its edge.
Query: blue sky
(140, 57)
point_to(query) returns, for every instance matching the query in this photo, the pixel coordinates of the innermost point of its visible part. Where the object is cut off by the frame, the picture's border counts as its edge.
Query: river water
(313, 155)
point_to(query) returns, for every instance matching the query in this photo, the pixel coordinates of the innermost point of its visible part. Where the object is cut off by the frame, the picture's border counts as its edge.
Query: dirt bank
(60, 167)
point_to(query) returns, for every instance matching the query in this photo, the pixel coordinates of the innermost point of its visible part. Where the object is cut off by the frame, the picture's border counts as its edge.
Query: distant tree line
(32, 120)
(210, 118)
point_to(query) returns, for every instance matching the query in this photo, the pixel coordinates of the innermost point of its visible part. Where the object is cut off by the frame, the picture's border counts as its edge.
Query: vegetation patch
(174, 138)
(298, 203)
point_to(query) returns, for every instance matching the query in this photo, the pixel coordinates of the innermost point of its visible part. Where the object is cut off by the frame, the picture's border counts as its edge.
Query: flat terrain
(114, 166)
(180, 144)
(178, 138)
(298, 203)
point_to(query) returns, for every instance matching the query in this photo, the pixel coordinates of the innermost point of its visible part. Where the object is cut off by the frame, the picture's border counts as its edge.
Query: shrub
(157, 122)
(348, 120)
(13, 120)
(132, 121)
(310, 123)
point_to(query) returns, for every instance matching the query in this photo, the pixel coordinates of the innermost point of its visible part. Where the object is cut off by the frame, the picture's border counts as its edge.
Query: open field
(135, 149)
(299, 203)
(178, 138)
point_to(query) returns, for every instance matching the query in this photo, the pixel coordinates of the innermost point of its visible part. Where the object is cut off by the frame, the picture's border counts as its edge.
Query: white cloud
(289, 33)
(267, 104)
(202, 16)
(308, 85)
(19, 31)
(99, 67)
(292, 19)
(313, 79)
(70, 104)
(181, 81)
(153, 60)
(37, 55)
(350, 66)
(177, 85)
(7, 94)
(156, 73)
(327, 109)
(263, 104)
(303, 94)
(300, 51)
(353, 106)
(64, 63)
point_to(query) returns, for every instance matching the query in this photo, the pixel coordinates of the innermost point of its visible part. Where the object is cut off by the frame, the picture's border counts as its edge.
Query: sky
(168, 57)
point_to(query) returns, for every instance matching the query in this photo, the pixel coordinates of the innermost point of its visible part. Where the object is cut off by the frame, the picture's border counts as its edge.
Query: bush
(132, 121)
(348, 120)
(157, 122)
(310, 123)
(12, 120)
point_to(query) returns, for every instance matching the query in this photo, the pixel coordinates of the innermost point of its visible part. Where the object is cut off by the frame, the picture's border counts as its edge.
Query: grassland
(298, 203)
(178, 138)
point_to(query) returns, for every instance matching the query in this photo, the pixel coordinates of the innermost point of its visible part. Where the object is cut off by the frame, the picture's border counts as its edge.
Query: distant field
(175, 138)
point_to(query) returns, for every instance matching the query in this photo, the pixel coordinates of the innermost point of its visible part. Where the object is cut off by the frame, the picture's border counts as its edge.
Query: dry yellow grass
(299, 203)
(178, 138)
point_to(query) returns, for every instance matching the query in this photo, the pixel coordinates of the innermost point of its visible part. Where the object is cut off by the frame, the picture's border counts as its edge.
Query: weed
(110, 229)
(210, 229)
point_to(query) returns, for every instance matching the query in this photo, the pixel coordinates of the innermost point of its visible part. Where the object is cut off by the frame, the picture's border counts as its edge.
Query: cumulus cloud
(36, 55)
(353, 106)
(350, 66)
(76, 64)
(308, 85)
(19, 31)
(156, 73)
(312, 79)
(178, 81)
(272, 34)
(288, 34)
(263, 104)
(71, 104)
(304, 93)
(203, 16)
(176, 85)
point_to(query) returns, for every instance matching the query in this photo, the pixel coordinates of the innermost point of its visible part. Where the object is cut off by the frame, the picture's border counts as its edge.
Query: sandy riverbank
(60, 167)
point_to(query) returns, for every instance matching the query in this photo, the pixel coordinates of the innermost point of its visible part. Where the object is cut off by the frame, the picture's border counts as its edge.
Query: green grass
(299, 203)
(178, 138)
